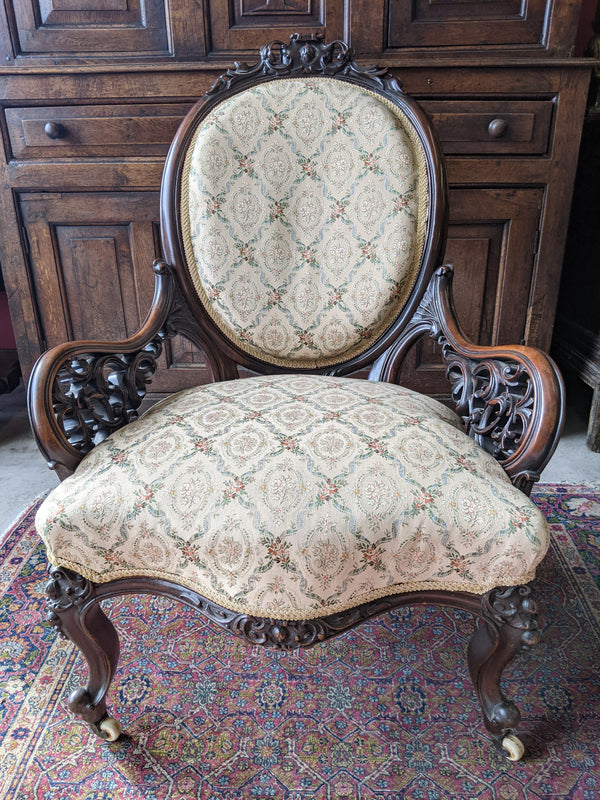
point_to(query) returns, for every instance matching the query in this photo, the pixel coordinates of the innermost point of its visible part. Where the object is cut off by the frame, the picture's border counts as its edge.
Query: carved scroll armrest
(80, 392)
(511, 399)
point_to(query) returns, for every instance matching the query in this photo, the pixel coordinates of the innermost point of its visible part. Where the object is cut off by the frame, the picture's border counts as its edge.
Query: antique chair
(303, 219)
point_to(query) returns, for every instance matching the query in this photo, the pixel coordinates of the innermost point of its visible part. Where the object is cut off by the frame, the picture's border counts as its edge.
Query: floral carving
(495, 397)
(95, 394)
(284, 634)
(514, 606)
(309, 56)
(64, 590)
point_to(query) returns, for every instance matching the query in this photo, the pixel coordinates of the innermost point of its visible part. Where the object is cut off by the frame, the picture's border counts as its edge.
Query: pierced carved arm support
(511, 399)
(80, 392)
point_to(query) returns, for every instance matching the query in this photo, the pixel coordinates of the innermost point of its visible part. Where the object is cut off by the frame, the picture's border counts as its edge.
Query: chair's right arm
(510, 398)
(80, 392)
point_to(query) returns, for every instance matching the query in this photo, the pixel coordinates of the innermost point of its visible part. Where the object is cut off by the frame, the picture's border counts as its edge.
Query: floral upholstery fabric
(294, 497)
(304, 208)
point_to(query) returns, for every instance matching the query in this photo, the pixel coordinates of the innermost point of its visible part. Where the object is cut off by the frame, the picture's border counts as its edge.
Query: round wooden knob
(497, 128)
(54, 130)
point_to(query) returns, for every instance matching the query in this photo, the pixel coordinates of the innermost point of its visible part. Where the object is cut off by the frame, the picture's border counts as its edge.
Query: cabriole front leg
(509, 624)
(74, 612)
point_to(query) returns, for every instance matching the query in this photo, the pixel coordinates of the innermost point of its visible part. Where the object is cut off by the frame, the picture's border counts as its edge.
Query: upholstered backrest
(304, 208)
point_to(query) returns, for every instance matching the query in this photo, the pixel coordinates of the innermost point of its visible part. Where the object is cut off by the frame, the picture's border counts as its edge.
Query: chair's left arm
(80, 392)
(511, 399)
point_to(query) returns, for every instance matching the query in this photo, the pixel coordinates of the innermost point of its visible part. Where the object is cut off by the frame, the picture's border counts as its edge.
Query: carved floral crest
(305, 56)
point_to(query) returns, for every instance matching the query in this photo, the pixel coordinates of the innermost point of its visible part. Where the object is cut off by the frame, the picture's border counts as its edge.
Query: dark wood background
(91, 96)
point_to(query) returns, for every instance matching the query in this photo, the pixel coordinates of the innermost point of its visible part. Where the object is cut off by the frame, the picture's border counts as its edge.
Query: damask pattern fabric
(295, 497)
(304, 208)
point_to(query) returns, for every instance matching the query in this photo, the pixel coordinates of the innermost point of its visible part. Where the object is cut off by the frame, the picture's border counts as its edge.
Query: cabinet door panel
(491, 245)
(91, 257)
(243, 26)
(91, 27)
(96, 265)
(438, 23)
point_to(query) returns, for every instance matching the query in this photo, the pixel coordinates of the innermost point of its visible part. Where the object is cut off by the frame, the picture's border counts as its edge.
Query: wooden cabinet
(90, 98)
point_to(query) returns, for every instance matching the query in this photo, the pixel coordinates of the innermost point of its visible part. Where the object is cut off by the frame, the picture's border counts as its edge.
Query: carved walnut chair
(303, 218)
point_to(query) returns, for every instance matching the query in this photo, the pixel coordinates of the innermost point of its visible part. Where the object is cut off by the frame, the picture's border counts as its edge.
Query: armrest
(511, 399)
(80, 392)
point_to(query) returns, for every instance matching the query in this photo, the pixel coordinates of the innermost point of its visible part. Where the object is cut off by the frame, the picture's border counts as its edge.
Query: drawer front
(93, 131)
(464, 126)
(513, 127)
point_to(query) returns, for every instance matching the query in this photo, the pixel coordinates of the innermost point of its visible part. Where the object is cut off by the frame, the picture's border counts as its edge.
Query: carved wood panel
(96, 266)
(491, 244)
(440, 23)
(90, 27)
(242, 26)
(466, 9)
(253, 12)
(91, 261)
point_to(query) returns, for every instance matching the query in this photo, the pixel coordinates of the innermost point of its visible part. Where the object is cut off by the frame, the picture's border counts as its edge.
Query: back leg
(74, 611)
(509, 624)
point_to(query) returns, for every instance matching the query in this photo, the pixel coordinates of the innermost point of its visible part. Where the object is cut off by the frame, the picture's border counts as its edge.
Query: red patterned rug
(386, 711)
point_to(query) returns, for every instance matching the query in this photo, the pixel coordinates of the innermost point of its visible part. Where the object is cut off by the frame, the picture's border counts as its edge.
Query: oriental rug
(386, 711)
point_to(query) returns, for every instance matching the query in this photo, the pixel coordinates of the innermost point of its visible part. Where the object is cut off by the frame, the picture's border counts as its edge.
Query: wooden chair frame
(510, 398)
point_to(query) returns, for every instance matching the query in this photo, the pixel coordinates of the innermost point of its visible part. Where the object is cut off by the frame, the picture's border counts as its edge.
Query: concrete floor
(23, 471)
(24, 474)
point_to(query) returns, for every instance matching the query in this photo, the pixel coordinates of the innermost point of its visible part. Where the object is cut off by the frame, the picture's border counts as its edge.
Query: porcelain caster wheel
(513, 747)
(108, 729)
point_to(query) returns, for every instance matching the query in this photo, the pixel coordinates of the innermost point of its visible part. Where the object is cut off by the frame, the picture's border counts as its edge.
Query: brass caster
(513, 746)
(108, 729)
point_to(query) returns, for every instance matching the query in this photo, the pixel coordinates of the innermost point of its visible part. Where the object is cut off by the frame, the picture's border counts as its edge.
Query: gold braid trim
(421, 232)
(281, 612)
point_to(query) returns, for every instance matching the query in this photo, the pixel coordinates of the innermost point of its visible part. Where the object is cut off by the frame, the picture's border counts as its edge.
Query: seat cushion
(294, 497)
